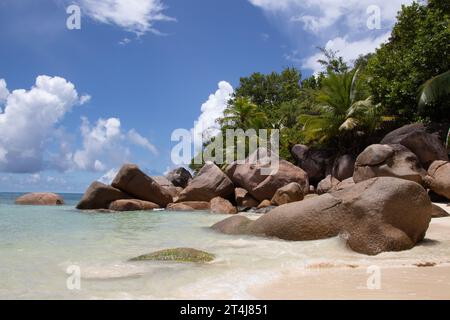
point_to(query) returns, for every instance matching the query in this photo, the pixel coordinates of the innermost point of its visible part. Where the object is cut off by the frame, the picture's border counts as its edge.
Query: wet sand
(419, 280)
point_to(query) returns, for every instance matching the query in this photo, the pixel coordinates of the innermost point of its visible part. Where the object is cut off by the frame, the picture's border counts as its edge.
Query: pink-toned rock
(132, 205)
(380, 160)
(189, 206)
(133, 181)
(244, 199)
(438, 178)
(40, 199)
(287, 194)
(210, 182)
(374, 216)
(327, 184)
(99, 196)
(263, 178)
(221, 205)
(264, 204)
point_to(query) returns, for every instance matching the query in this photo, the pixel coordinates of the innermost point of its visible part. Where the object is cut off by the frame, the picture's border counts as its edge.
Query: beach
(425, 278)
(39, 245)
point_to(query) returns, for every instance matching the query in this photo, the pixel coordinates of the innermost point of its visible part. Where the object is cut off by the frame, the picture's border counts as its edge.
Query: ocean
(40, 247)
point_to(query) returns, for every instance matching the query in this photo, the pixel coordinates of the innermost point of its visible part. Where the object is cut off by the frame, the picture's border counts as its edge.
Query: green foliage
(419, 49)
(268, 92)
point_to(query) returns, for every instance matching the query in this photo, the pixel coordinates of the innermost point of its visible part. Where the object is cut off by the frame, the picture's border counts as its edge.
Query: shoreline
(425, 280)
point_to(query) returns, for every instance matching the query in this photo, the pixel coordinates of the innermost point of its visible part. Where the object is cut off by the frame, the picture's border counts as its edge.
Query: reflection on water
(37, 244)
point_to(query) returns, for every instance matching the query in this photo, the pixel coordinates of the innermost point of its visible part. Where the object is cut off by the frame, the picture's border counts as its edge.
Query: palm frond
(434, 89)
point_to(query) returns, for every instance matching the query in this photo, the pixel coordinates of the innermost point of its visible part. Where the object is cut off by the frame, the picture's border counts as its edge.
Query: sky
(75, 104)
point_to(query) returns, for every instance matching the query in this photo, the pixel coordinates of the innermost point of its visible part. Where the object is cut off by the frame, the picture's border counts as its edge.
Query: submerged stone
(177, 255)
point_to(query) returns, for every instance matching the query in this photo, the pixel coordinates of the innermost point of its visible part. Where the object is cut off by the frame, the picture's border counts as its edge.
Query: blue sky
(75, 104)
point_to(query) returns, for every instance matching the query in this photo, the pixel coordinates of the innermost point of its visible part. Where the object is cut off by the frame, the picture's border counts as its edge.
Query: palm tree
(434, 89)
(243, 114)
(338, 110)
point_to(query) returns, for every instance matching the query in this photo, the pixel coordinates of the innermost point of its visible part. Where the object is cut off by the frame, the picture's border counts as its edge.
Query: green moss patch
(177, 255)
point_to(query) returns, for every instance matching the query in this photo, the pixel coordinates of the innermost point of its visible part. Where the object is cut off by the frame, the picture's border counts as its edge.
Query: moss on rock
(177, 255)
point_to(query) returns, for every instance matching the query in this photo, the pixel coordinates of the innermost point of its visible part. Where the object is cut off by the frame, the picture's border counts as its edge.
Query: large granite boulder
(132, 180)
(380, 160)
(427, 147)
(132, 205)
(438, 178)
(343, 167)
(263, 178)
(347, 183)
(40, 199)
(99, 196)
(210, 182)
(376, 215)
(179, 177)
(316, 163)
(290, 193)
(221, 205)
(327, 184)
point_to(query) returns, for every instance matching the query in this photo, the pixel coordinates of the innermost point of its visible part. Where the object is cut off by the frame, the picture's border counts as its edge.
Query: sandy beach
(422, 279)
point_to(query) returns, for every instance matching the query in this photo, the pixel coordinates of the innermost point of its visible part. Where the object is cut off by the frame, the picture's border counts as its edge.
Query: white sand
(418, 280)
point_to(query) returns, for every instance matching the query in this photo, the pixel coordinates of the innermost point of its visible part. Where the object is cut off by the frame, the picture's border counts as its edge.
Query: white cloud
(29, 120)
(349, 50)
(109, 176)
(337, 24)
(316, 15)
(206, 126)
(4, 92)
(137, 16)
(106, 145)
(139, 140)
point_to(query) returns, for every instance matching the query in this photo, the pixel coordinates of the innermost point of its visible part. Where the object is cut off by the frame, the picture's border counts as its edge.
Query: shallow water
(38, 244)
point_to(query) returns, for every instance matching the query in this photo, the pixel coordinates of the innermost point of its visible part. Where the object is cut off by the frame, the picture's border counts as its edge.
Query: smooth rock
(244, 199)
(343, 167)
(263, 178)
(132, 205)
(376, 215)
(40, 199)
(380, 160)
(99, 196)
(327, 184)
(290, 193)
(438, 178)
(179, 177)
(189, 206)
(132, 180)
(316, 163)
(221, 205)
(427, 147)
(209, 183)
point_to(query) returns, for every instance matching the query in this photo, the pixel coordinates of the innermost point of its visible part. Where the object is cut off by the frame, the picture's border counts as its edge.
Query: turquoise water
(39, 244)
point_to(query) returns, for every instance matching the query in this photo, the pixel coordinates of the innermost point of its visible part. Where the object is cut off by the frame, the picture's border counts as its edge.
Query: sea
(63, 253)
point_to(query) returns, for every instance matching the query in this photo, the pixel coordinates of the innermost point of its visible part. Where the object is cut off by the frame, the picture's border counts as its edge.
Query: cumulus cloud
(29, 120)
(336, 24)
(349, 50)
(31, 131)
(106, 145)
(206, 126)
(137, 16)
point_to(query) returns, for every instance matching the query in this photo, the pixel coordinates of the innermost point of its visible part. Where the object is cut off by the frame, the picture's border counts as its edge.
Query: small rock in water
(177, 255)
(40, 199)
